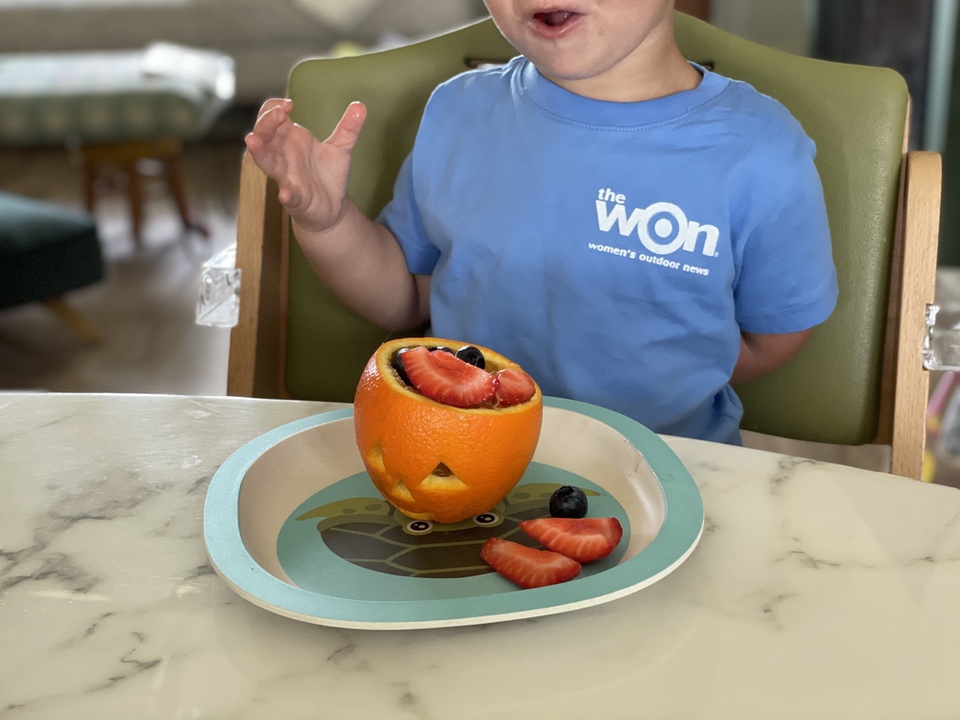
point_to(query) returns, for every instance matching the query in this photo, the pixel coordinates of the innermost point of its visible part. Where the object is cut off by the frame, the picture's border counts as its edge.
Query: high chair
(859, 379)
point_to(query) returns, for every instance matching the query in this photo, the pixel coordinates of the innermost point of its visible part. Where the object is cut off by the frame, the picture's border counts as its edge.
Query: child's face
(587, 45)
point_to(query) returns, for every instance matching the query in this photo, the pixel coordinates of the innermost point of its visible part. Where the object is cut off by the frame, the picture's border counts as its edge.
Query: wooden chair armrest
(919, 236)
(255, 342)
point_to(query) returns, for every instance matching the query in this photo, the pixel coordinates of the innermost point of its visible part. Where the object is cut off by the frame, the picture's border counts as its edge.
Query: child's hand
(312, 175)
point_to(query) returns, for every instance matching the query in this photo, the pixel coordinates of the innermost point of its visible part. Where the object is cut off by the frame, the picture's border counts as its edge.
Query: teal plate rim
(678, 536)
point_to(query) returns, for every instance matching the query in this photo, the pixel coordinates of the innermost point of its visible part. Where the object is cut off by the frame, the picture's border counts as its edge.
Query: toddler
(636, 231)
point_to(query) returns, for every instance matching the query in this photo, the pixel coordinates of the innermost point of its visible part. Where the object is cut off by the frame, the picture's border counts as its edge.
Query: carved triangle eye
(375, 458)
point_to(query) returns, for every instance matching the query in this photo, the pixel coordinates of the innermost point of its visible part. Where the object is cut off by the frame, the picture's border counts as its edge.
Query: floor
(145, 307)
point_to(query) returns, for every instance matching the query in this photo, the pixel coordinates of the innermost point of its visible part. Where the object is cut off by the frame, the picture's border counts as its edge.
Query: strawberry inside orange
(444, 377)
(434, 460)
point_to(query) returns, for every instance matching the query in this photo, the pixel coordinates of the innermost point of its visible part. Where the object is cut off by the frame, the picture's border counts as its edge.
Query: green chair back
(855, 115)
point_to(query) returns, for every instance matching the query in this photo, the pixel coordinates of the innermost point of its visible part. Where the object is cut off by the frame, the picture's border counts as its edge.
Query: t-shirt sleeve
(402, 216)
(787, 280)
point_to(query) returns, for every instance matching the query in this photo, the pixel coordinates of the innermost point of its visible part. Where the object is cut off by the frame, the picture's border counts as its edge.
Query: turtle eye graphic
(418, 527)
(486, 519)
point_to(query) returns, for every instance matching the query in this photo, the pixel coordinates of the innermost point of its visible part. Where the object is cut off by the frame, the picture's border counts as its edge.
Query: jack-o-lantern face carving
(434, 461)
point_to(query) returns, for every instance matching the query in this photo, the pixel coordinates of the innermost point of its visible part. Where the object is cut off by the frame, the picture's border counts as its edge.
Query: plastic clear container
(941, 346)
(219, 302)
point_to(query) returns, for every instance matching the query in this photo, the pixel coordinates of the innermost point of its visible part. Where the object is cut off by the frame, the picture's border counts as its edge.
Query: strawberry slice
(582, 539)
(528, 567)
(513, 387)
(444, 377)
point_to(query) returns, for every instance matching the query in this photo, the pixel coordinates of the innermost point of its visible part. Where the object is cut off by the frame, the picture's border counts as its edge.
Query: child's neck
(638, 79)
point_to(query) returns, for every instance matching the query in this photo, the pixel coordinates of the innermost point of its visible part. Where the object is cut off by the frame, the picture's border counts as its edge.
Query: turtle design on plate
(371, 533)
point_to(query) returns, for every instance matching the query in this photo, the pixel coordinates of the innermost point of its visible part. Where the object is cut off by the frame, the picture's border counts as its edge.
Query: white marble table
(817, 591)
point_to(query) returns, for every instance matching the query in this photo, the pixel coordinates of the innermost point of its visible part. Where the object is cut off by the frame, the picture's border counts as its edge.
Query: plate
(293, 524)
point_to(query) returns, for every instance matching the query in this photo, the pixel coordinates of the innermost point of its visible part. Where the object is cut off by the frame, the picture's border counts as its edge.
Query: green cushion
(45, 250)
(855, 114)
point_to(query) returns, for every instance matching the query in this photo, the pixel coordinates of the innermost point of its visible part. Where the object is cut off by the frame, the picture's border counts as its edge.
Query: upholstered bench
(118, 108)
(45, 252)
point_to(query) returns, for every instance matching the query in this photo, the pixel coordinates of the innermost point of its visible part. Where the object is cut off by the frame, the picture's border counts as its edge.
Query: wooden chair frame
(905, 382)
(258, 340)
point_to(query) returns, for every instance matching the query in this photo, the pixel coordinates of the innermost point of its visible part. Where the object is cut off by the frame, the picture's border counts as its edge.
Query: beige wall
(783, 24)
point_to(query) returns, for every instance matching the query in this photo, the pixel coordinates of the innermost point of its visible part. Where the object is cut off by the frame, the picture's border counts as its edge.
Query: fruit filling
(553, 18)
(461, 378)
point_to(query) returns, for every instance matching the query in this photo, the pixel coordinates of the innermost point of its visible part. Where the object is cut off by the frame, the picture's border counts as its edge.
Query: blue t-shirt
(615, 250)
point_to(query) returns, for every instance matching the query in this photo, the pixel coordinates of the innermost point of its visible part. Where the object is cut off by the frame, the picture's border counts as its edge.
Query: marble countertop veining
(817, 590)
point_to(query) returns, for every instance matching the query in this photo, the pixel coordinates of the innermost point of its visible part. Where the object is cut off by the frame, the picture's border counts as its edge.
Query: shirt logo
(663, 229)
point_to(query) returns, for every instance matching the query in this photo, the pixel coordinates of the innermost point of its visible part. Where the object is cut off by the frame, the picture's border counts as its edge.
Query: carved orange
(433, 461)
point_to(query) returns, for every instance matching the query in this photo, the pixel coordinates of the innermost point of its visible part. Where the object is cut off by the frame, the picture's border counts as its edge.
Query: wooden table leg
(127, 155)
(135, 199)
(89, 184)
(174, 172)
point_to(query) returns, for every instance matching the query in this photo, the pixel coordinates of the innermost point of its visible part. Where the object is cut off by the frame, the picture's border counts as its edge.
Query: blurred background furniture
(107, 165)
(859, 380)
(119, 109)
(264, 37)
(45, 252)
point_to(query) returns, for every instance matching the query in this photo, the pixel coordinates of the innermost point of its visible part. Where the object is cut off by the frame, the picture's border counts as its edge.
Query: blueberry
(568, 502)
(441, 348)
(397, 363)
(472, 355)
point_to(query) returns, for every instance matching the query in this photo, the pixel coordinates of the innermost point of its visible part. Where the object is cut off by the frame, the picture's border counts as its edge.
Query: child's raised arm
(358, 259)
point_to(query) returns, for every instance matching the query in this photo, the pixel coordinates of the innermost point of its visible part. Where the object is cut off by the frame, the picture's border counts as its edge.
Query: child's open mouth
(554, 23)
(554, 18)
